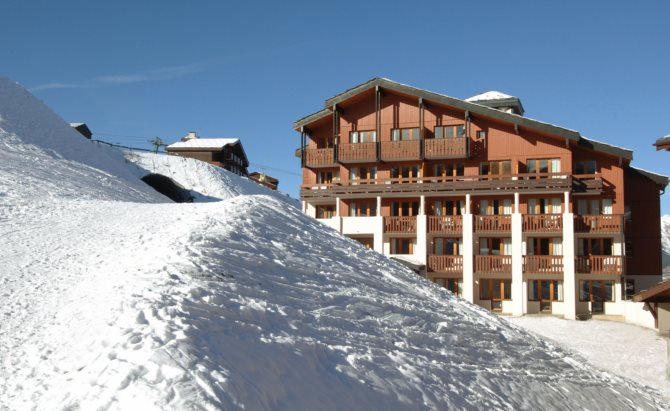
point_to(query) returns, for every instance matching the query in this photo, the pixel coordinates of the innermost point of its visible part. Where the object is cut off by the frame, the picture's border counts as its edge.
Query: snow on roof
(76, 124)
(489, 95)
(208, 143)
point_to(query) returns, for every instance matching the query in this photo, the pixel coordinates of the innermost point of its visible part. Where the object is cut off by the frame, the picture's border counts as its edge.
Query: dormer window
(585, 167)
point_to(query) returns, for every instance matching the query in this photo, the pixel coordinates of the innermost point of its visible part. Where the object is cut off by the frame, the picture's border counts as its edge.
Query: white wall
(359, 225)
(637, 313)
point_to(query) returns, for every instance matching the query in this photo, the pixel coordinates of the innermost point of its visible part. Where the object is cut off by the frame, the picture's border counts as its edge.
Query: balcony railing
(401, 150)
(493, 263)
(475, 184)
(441, 148)
(452, 224)
(543, 264)
(445, 263)
(543, 223)
(599, 224)
(400, 225)
(493, 223)
(320, 157)
(357, 153)
(601, 264)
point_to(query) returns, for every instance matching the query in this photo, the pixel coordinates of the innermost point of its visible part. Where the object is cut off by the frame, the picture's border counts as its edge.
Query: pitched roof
(663, 143)
(656, 294)
(464, 105)
(489, 95)
(659, 179)
(205, 143)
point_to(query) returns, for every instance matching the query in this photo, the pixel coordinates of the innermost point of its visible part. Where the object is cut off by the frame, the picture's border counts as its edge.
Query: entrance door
(597, 301)
(545, 296)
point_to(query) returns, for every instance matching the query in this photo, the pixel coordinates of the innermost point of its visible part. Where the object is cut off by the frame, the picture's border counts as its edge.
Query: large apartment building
(516, 215)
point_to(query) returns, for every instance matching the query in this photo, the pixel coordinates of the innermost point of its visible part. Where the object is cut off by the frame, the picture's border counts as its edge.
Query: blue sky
(136, 70)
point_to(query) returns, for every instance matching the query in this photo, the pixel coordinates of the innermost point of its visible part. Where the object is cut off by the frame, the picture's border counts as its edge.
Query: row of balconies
(474, 184)
(532, 264)
(431, 149)
(532, 223)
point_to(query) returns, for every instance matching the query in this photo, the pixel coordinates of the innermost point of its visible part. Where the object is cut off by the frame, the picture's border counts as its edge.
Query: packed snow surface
(607, 345)
(489, 95)
(114, 298)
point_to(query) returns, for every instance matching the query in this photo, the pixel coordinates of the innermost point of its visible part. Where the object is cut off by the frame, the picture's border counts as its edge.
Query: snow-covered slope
(665, 239)
(243, 303)
(206, 181)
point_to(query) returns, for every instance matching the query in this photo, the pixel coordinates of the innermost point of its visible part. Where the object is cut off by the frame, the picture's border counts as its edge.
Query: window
(544, 246)
(594, 246)
(402, 246)
(585, 167)
(365, 174)
(448, 170)
(495, 289)
(362, 208)
(495, 168)
(495, 246)
(325, 211)
(324, 142)
(368, 242)
(545, 291)
(447, 246)
(448, 207)
(481, 135)
(630, 288)
(327, 177)
(356, 137)
(405, 172)
(629, 248)
(450, 131)
(595, 206)
(544, 206)
(455, 285)
(404, 208)
(544, 166)
(405, 134)
(596, 291)
(495, 207)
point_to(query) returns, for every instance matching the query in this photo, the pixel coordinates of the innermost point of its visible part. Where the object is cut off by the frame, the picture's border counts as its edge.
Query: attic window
(481, 135)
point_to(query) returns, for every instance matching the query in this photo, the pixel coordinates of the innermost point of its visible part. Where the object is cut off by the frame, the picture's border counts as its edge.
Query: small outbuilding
(657, 301)
(264, 180)
(83, 129)
(227, 153)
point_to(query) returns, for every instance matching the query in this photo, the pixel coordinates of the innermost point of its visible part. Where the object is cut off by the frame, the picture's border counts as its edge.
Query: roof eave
(298, 124)
(659, 179)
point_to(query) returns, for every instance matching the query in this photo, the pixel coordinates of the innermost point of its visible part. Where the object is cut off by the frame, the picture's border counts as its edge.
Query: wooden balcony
(452, 224)
(443, 148)
(493, 223)
(445, 263)
(587, 184)
(320, 157)
(400, 225)
(599, 224)
(543, 223)
(599, 264)
(401, 150)
(543, 264)
(493, 263)
(357, 153)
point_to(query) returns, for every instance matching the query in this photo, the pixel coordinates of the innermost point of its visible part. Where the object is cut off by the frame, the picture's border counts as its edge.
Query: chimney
(190, 136)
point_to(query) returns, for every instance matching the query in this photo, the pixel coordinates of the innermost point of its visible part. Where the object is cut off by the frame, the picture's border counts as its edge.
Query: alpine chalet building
(516, 215)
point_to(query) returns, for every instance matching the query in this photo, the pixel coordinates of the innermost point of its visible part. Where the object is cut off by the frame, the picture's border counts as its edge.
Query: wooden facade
(478, 191)
(226, 153)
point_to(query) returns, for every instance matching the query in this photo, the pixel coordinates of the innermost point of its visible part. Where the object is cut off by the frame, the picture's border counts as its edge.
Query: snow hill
(114, 298)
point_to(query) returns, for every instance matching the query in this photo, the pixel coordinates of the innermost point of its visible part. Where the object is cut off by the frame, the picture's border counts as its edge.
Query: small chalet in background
(663, 143)
(264, 180)
(227, 153)
(83, 129)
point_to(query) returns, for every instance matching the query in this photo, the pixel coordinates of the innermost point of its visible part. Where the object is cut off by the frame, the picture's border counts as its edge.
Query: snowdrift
(115, 299)
(665, 239)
